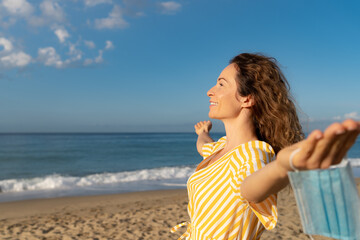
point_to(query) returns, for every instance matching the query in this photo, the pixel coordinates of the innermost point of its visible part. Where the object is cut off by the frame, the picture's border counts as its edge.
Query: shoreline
(142, 215)
(57, 185)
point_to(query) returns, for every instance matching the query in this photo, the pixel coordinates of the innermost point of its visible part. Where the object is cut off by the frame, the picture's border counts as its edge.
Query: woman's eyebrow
(222, 79)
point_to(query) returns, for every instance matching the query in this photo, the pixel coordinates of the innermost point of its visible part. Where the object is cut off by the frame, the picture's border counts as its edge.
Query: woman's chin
(212, 116)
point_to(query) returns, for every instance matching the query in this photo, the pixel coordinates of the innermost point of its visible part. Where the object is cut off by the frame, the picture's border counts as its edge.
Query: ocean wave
(60, 182)
(355, 162)
(56, 181)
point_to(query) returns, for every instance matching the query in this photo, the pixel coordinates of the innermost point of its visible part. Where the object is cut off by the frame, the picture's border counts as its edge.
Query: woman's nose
(210, 93)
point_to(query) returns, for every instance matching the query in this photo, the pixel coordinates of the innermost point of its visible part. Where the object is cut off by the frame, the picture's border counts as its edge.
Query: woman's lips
(212, 104)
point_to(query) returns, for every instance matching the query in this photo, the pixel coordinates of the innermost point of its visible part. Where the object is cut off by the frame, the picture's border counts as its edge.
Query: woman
(232, 194)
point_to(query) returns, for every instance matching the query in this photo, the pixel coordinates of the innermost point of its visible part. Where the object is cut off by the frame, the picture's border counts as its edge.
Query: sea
(68, 164)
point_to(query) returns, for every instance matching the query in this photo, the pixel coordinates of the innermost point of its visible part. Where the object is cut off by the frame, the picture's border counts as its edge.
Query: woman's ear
(248, 101)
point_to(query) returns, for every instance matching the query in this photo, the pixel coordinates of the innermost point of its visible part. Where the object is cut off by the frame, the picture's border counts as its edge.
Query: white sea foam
(166, 176)
(59, 182)
(355, 162)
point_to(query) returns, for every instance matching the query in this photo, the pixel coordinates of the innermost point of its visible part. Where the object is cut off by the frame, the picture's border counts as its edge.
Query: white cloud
(170, 7)
(6, 44)
(75, 54)
(52, 10)
(11, 10)
(114, 20)
(49, 57)
(72, 49)
(109, 45)
(353, 115)
(135, 8)
(62, 34)
(99, 58)
(18, 7)
(19, 59)
(10, 57)
(91, 3)
(51, 14)
(89, 44)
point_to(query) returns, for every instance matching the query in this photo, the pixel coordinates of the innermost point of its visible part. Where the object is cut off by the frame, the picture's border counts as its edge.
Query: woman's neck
(239, 130)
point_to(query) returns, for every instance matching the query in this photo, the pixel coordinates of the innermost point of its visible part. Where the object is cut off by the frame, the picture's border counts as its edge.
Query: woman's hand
(203, 126)
(202, 129)
(320, 150)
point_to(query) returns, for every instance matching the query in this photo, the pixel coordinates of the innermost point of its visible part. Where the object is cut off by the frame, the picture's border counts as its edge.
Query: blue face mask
(328, 201)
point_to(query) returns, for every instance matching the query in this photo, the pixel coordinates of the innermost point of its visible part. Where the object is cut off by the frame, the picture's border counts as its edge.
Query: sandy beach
(138, 215)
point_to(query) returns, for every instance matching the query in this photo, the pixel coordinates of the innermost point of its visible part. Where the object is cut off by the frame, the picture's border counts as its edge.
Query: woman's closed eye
(221, 83)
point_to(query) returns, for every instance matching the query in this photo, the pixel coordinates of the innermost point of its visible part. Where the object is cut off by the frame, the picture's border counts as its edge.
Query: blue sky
(137, 65)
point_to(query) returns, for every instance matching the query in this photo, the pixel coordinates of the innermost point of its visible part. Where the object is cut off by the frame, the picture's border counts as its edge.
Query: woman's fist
(203, 126)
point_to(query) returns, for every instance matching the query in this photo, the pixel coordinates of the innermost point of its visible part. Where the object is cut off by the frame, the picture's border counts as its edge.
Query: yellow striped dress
(216, 208)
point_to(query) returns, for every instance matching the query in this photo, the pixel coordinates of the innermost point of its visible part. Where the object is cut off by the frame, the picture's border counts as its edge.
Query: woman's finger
(202, 126)
(333, 156)
(307, 148)
(324, 146)
(353, 129)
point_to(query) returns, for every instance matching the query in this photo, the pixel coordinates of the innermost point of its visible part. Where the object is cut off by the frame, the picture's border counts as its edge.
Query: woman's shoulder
(261, 146)
(255, 149)
(220, 141)
(209, 148)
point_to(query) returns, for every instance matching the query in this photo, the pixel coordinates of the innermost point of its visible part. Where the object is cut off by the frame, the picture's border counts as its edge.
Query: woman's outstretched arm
(202, 129)
(319, 150)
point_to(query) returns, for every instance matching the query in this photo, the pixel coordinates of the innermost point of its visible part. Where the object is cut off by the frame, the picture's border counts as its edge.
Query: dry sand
(141, 215)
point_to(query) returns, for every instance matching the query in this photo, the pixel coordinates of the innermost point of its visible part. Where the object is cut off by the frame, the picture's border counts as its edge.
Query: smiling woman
(233, 192)
(224, 100)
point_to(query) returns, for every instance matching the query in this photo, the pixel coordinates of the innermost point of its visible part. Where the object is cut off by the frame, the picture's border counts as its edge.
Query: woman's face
(225, 101)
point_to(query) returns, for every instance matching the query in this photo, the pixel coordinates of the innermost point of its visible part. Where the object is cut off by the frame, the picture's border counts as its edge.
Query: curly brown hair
(274, 111)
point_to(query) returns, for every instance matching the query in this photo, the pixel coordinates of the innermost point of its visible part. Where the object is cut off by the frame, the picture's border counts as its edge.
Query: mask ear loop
(297, 170)
(291, 159)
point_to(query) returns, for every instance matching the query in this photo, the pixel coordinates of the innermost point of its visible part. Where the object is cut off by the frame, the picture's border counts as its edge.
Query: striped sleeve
(209, 148)
(257, 155)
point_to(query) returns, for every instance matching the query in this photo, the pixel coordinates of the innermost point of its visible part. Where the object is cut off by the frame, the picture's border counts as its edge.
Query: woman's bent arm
(202, 129)
(319, 150)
